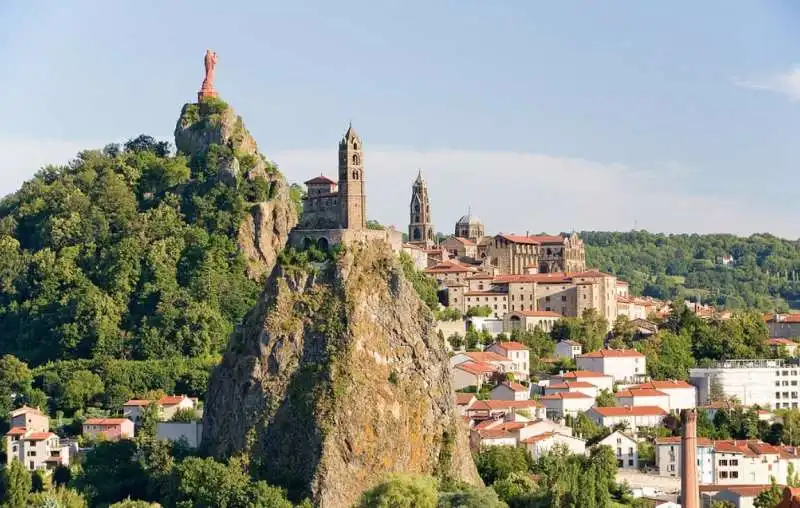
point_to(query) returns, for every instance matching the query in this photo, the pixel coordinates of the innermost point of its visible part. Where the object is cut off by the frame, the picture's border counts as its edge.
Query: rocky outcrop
(213, 126)
(335, 379)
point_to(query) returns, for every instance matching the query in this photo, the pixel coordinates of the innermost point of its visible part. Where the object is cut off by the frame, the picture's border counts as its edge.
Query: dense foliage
(128, 252)
(764, 271)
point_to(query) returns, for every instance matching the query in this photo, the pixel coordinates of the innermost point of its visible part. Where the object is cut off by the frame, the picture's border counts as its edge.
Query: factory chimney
(690, 494)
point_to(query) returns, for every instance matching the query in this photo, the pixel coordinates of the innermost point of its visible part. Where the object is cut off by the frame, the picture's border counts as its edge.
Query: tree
(61, 497)
(606, 399)
(792, 478)
(111, 473)
(15, 380)
(185, 415)
(624, 330)
(516, 489)
(148, 421)
(498, 462)
(402, 491)
(425, 285)
(479, 311)
(668, 356)
(17, 485)
(770, 497)
(82, 388)
(483, 497)
(647, 454)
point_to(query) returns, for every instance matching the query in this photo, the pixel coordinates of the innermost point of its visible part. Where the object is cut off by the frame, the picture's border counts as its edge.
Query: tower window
(355, 158)
(355, 175)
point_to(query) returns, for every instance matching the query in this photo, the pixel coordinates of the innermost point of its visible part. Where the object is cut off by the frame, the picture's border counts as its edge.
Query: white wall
(173, 431)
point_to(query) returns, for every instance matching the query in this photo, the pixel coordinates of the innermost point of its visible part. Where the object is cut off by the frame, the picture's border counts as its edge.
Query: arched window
(355, 175)
(355, 158)
(416, 234)
(355, 145)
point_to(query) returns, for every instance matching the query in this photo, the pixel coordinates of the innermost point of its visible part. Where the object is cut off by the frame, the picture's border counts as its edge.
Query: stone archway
(515, 322)
(307, 243)
(322, 244)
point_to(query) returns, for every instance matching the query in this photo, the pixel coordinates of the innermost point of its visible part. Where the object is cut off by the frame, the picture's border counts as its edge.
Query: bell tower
(420, 228)
(352, 198)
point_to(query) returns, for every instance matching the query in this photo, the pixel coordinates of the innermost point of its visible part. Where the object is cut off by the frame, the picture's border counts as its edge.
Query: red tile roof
(534, 240)
(701, 441)
(496, 405)
(630, 411)
(664, 385)
(538, 437)
(640, 392)
(475, 368)
(319, 180)
(448, 267)
(515, 386)
(582, 373)
(566, 395)
(462, 399)
(39, 436)
(613, 353)
(781, 342)
(511, 346)
(486, 356)
(138, 402)
(785, 318)
(16, 431)
(105, 421)
(171, 400)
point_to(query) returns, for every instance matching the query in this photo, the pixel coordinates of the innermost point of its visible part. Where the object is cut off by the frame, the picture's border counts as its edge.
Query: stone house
(515, 254)
(529, 320)
(30, 441)
(167, 406)
(469, 373)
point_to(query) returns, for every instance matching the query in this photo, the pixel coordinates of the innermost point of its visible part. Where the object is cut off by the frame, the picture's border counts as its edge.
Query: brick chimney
(690, 494)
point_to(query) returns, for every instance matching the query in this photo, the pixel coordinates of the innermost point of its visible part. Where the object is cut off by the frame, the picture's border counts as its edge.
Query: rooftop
(613, 353)
(630, 411)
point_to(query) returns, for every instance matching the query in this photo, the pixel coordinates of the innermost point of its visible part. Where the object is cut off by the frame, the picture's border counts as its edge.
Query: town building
(530, 320)
(469, 374)
(420, 226)
(517, 353)
(598, 379)
(335, 212)
(517, 254)
(780, 346)
(568, 349)
(785, 326)
(562, 404)
(460, 248)
(623, 365)
(167, 405)
(583, 387)
(470, 227)
(540, 444)
(773, 383)
(512, 409)
(111, 429)
(643, 397)
(626, 449)
(509, 390)
(30, 441)
(681, 394)
(632, 418)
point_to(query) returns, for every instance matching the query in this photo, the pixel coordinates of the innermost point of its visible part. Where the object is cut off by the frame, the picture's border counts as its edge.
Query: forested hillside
(764, 271)
(127, 253)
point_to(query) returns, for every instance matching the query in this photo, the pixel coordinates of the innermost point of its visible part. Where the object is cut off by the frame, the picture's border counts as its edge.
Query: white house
(540, 444)
(631, 417)
(471, 374)
(512, 431)
(643, 397)
(681, 394)
(625, 449)
(499, 363)
(573, 386)
(561, 404)
(509, 390)
(494, 408)
(30, 441)
(568, 349)
(600, 380)
(167, 405)
(517, 353)
(623, 365)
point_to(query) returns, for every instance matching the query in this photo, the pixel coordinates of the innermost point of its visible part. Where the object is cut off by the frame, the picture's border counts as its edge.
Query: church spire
(420, 226)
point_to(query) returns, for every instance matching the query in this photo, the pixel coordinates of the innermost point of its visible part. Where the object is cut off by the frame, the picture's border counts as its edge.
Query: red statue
(207, 89)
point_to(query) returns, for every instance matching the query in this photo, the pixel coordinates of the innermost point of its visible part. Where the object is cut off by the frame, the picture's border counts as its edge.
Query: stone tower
(352, 199)
(420, 228)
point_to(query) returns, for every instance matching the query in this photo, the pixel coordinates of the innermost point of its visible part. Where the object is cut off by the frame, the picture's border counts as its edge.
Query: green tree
(402, 491)
(17, 485)
(770, 497)
(425, 285)
(479, 311)
(185, 415)
(498, 462)
(82, 388)
(606, 399)
(483, 497)
(112, 473)
(516, 489)
(61, 497)
(15, 380)
(668, 355)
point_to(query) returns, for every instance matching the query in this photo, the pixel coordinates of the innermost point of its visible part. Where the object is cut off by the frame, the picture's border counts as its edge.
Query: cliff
(210, 130)
(335, 379)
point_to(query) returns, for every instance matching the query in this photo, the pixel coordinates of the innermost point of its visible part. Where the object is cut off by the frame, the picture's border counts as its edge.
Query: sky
(677, 116)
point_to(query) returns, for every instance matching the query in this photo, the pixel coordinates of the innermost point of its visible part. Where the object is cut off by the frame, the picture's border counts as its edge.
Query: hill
(759, 271)
(133, 252)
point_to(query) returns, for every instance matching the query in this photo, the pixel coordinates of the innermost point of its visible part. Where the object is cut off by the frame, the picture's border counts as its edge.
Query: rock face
(212, 126)
(335, 379)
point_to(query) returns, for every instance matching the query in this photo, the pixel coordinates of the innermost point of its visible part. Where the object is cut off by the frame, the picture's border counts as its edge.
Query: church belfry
(352, 199)
(420, 227)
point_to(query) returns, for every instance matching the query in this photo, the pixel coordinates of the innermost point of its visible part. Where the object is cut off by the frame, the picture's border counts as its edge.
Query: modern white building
(767, 383)
(626, 449)
(600, 380)
(643, 397)
(623, 365)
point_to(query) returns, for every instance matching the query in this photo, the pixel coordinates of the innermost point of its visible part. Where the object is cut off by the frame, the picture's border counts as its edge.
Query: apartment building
(623, 365)
(770, 383)
(681, 394)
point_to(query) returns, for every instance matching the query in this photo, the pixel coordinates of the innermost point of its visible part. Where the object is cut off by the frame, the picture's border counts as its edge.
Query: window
(546, 298)
(723, 474)
(619, 452)
(734, 474)
(777, 395)
(630, 462)
(547, 309)
(563, 298)
(723, 462)
(734, 462)
(31, 453)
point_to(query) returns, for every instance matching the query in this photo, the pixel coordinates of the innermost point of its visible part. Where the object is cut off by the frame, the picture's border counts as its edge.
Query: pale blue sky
(673, 116)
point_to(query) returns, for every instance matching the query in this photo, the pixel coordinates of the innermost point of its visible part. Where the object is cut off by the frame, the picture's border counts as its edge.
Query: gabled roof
(534, 240)
(537, 313)
(778, 341)
(486, 356)
(582, 373)
(664, 385)
(475, 368)
(24, 410)
(16, 431)
(463, 399)
(319, 180)
(566, 395)
(497, 405)
(513, 386)
(38, 436)
(640, 392)
(448, 267)
(511, 346)
(629, 411)
(613, 353)
(106, 421)
(171, 400)
(547, 435)
(572, 384)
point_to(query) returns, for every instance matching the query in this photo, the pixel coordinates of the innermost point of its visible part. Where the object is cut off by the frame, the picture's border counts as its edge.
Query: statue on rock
(207, 89)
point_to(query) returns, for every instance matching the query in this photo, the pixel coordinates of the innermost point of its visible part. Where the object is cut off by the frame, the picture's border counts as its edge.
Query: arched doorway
(322, 244)
(307, 243)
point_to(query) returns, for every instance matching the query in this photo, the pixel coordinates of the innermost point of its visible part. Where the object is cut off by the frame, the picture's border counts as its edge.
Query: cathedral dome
(468, 220)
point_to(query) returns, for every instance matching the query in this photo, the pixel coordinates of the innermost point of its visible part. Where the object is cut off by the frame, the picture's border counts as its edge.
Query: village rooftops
(629, 411)
(511, 346)
(17, 431)
(641, 392)
(534, 240)
(613, 353)
(462, 398)
(39, 436)
(572, 384)
(582, 373)
(105, 421)
(565, 395)
(475, 368)
(448, 267)
(515, 386)
(498, 405)
(545, 435)
(486, 356)
(663, 385)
